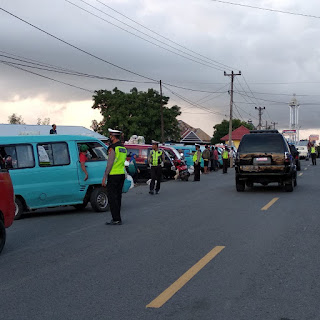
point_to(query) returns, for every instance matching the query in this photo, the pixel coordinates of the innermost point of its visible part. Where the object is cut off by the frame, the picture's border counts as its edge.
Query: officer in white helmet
(115, 175)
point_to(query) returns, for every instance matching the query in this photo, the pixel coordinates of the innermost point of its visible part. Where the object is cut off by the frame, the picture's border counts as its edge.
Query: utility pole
(274, 125)
(232, 75)
(260, 116)
(161, 113)
(266, 125)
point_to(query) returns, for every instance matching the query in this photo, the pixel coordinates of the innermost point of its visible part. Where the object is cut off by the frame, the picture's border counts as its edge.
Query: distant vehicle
(295, 155)
(263, 157)
(7, 207)
(143, 151)
(46, 171)
(303, 152)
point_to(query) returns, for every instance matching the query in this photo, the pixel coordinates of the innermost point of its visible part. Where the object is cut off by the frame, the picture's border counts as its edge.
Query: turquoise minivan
(46, 171)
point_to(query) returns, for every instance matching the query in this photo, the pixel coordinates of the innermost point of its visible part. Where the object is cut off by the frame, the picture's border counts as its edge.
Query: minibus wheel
(19, 208)
(99, 199)
(2, 235)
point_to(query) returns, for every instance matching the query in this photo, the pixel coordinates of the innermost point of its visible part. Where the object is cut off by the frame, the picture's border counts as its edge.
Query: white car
(303, 151)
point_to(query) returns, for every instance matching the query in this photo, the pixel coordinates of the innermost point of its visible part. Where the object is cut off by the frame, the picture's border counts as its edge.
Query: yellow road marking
(300, 174)
(178, 284)
(268, 205)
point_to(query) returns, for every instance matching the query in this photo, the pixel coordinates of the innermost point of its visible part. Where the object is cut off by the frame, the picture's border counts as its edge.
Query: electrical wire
(176, 53)
(193, 103)
(267, 9)
(42, 76)
(75, 47)
(158, 34)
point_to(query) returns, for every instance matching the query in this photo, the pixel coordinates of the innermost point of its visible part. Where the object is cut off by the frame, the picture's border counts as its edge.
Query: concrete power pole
(260, 116)
(274, 125)
(161, 113)
(232, 75)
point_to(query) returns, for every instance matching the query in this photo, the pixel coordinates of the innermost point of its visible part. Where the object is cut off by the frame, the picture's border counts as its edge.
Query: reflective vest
(195, 156)
(313, 150)
(225, 154)
(156, 157)
(118, 164)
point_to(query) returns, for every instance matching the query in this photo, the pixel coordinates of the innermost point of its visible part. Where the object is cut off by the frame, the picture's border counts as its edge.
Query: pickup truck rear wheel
(99, 199)
(2, 235)
(19, 208)
(288, 187)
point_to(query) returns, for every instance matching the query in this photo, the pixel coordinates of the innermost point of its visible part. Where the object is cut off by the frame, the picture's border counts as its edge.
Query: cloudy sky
(278, 55)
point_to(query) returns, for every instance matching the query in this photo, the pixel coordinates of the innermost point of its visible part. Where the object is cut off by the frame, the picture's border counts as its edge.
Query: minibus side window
(96, 151)
(16, 156)
(53, 154)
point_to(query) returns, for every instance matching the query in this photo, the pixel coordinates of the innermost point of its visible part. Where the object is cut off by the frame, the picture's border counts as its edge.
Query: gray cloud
(266, 47)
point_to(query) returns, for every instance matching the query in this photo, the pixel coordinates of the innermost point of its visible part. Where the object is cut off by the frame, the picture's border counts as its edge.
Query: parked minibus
(46, 172)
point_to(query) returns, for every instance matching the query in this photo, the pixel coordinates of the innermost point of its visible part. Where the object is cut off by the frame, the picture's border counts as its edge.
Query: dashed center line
(268, 205)
(300, 174)
(305, 168)
(177, 285)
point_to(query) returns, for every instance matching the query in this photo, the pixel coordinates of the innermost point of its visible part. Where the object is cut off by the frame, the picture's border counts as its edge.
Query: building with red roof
(236, 135)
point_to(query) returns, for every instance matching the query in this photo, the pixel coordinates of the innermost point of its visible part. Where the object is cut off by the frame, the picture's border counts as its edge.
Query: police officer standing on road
(313, 155)
(115, 174)
(156, 160)
(225, 157)
(196, 162)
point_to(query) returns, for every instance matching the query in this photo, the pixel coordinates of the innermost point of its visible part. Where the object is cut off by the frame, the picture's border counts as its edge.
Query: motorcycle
(182, 170)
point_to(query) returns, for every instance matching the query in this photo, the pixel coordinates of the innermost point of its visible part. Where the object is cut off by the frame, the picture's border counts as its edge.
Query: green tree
(137, 112)
(15, 119)
(222, 129)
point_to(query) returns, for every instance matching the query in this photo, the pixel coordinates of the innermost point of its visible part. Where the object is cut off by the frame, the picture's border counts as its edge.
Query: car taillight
(297, 157)
(287, 157)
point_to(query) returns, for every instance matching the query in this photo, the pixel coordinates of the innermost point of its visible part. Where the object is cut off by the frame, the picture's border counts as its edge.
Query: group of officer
(114, 175)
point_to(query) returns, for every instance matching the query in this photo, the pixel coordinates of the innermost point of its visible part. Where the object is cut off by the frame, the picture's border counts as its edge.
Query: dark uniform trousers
(156, 173)
(225, 165)
(114, 189)
(314, 158)
(196, 171)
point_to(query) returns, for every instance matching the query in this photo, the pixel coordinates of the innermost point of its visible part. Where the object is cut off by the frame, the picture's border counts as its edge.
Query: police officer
(196, 162)
(313, 155)
(115, 174)
(156, 160)
(225, 157)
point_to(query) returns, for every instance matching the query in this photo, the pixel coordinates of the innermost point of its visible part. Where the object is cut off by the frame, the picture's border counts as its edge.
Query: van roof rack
(264, 131)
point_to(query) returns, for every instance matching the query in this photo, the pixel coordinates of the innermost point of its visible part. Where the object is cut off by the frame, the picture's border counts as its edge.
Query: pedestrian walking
(231, 157)
(313, 155)
(115, 175)
(206, 157)
(212, 163)
(196, 163)
(156, 161)
(216, 158)
(54, 129)
(225, 157)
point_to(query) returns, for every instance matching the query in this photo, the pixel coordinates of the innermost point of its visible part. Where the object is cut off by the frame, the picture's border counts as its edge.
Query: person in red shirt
(83, 158)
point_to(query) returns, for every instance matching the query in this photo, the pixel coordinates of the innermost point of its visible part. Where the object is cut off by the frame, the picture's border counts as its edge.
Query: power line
(193, 103)
(42, 76)
(205, 64)
(268, 9)
(190, 89)
(181, 46)
(75, 47)
(59, 70)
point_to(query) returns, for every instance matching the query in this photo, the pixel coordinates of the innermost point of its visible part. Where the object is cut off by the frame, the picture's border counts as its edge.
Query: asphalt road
(63, 264)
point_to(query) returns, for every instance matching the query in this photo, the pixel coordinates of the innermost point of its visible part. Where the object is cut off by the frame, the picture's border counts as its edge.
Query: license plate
(261, 159)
